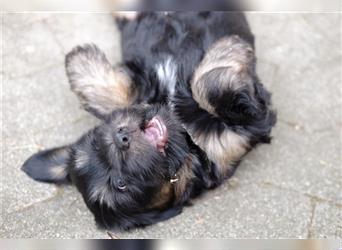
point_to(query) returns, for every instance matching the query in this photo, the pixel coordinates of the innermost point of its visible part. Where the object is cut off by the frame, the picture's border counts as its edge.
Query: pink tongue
(152, 134)
(156, 134)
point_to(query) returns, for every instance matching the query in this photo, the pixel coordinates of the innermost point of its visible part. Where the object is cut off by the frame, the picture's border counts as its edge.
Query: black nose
(123, 138)
(120, 183)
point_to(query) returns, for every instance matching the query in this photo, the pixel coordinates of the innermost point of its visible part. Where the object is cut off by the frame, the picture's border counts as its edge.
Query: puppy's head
(142, 142)
(123, 167)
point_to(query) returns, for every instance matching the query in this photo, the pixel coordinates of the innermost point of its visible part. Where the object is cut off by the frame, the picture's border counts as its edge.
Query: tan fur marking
(61, 152)
(184, 174)
(163, 197)
(120, 89)
(174, 190)
(223, 150)
(228, 60)
(97, 84)
(59, 171)
(107, 92)
(81, 158)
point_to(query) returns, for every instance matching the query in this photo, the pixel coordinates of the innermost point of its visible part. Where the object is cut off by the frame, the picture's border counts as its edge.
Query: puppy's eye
(142, 125)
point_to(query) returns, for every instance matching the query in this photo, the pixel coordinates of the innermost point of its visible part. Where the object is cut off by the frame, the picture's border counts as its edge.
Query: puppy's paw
(99, 87)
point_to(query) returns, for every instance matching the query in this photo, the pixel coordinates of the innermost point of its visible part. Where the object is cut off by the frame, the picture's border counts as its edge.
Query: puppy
(178, 113)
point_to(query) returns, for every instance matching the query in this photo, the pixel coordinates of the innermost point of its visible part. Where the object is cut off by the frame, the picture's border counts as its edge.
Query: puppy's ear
(49, 165)
(99, 87)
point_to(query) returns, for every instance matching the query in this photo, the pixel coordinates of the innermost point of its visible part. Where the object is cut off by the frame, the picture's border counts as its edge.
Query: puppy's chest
(166, 70)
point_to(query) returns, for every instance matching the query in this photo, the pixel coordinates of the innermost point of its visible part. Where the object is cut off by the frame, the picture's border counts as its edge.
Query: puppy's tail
(49, 165)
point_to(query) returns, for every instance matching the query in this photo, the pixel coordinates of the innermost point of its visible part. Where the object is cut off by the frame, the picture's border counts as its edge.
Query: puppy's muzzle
(123, 138)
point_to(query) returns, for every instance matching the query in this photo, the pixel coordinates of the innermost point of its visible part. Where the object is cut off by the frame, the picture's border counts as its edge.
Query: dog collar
(174, 179)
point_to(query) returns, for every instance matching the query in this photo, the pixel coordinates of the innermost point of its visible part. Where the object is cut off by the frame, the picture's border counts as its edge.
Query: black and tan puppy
(179, 113)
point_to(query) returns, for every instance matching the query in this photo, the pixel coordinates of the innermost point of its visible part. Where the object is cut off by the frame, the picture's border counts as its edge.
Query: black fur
(120, 185)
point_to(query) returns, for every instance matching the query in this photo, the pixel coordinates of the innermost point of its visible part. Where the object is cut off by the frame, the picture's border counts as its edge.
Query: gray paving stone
(307, 162)
(77, 29)
(237, 211)
(20, 20)
(39, 120)
(305, 49)
(25, 51)
(246, 210)
(64, 216)
(327, 221)
(65, 134)
(19, 191)
(37, 102)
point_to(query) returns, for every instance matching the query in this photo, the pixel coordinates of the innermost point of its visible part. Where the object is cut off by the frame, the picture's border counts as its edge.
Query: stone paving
(290, 189)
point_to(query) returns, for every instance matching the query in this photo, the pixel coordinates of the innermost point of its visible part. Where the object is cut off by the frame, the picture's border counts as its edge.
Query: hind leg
(226, 71)
(100, 87)
(228, 110)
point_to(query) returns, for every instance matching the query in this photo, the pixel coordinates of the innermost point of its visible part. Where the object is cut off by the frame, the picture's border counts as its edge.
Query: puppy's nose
(120, 183)
(123, 138)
